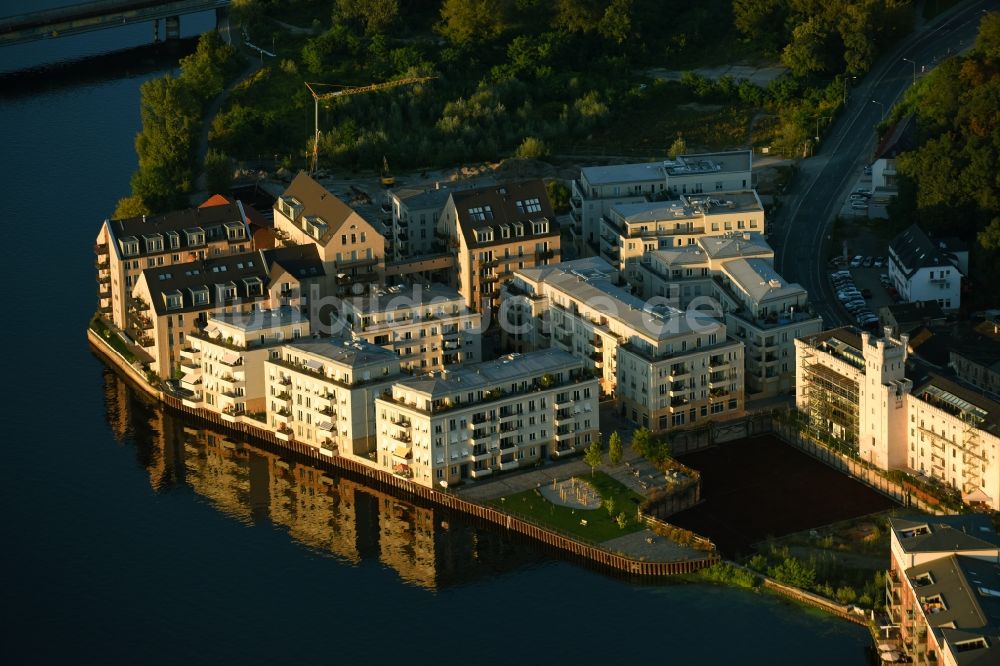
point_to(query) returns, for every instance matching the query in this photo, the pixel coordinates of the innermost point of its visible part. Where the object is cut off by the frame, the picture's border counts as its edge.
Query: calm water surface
(131, 538)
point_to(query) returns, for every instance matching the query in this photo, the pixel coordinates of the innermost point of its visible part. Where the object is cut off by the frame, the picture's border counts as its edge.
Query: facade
(352, 249)
(170, 303)
(854, 387)
(667, 369)
(223, 365)
(600, 188)
(908, 317)
(427, 326)
(924, 270)
(899, 138)
(322, 392)
(943, 589)
(125, 248)
(735, 274)
(475, 420)
(629, 231)
(494, 231)
(415, 213)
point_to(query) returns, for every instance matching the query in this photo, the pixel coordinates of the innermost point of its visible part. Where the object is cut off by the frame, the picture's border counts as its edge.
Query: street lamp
(914, 68)
(819, 118)
(875, 101)
(853, 78)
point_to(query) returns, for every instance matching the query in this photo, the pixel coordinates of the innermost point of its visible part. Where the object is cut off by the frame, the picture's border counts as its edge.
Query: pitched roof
(211, 219)
(960, 597)
(899, 139)
(300, 261)
(211, 274)
(216, 200)
(318, 202)
(940, 534)
(915, 250)
(491, 207)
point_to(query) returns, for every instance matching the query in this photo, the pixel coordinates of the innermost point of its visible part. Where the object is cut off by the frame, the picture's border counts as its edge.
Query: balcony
(400, 436)
(138, 305)
(101, 248)
(544, 255)
(104, 278)
(143, 322)
(480, 473)
(285, 381)
(565, 436)
(284, 396)
(145, 341)
(505, 466)
(102, 264)
(678, 402)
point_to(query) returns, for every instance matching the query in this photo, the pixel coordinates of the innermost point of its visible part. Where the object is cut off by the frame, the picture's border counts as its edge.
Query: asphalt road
(802, 231)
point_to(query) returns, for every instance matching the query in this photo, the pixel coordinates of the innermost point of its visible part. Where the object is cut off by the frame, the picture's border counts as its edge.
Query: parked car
(868, 170)
(855, 196)
(862, 192)
(859, 205)
(868, 262)
(866, 292)
(856, 261)
(879, 262)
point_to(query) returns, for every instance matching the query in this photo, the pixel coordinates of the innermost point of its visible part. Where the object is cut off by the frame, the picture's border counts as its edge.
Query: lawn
(600, 526)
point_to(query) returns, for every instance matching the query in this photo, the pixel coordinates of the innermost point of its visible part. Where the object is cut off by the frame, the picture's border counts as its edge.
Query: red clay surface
(757, 488)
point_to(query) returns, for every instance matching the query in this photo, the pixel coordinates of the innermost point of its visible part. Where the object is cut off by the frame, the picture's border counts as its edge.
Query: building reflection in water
(427, 546)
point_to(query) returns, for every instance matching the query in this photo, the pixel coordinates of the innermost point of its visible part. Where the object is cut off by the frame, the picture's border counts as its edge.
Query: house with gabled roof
(351, 248)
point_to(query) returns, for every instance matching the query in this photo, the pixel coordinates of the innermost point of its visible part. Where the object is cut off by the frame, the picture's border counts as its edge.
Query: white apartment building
(322, 392)
(473, 421)
(427, 326)
(599, 188)
(854, 387)
(666, 368)
(224, 364)
(629, 231)
(734, 274)
(924, 270)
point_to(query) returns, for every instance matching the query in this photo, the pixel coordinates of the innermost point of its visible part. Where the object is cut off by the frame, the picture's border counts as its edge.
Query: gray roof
(645, 172)
(422, 199)
(758, 278)
(970, 591)
(503, 371)
(940, 534)
(589, 281)
(212, 219)
(915, 250)
(260, 320)
(344, 351)
(689, 206)
(726, 162)
(402, 296)
(739, 244)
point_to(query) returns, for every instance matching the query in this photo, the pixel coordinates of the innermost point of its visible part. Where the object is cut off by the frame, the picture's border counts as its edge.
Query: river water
(132, 537)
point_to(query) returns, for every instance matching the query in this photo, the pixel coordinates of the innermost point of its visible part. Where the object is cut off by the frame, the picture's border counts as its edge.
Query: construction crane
(351, 91)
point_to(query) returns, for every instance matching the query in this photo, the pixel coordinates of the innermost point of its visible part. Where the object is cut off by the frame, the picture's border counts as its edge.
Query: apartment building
(922, 270)
(171, 302)
(854, 387)
(943, 589)
(494, 231)
(415, 213)
(322, 392)
(601, 188)
(427, 326)
(734, 275)
(666, 368)
(351, 248)
(475, 420)
(629, 231)
(223, 364)
(125, 248)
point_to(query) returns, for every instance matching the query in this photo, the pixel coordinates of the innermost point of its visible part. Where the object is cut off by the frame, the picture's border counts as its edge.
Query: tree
(132, 206)
(810, 50)
(678, 147)
(532, 148)
(558, 195)
(622, 520)
(616, 23)
(642, 440)
(592, 456)
(218, 170)
(762, 21)
(468, 22)
(609, 504)
(615, 448)
(376, 15)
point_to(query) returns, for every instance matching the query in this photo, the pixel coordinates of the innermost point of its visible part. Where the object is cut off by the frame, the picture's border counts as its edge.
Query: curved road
(824, 180)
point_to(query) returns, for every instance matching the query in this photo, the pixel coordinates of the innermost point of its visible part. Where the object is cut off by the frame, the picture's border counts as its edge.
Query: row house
(479, 419)
(351, 248)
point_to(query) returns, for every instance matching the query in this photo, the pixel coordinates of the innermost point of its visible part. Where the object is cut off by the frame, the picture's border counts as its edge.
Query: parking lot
(862, 288)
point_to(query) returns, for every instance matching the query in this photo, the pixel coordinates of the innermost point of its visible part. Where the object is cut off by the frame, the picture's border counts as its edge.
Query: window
(529, 206)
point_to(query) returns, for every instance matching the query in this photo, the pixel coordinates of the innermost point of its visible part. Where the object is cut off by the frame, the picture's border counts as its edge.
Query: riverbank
(573, 547)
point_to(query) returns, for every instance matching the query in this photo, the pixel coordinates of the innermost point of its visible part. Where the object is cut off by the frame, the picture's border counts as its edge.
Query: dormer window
(505, 231)
(484, 235)
(315, 226)
(290, 206)
(199, 295)
(173, 300)
(154, 243)
(518, 229)
(235, 231)
(174, 240)
(227, 291)
(254, 286)
(195, 236)
(540, 227)
(130, 246)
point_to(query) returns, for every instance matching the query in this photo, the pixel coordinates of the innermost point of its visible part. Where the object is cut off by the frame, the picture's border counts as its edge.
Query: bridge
(91, 16)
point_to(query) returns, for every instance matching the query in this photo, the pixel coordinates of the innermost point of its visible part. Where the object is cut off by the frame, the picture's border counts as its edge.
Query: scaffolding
(831, 400)
(973, 455)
